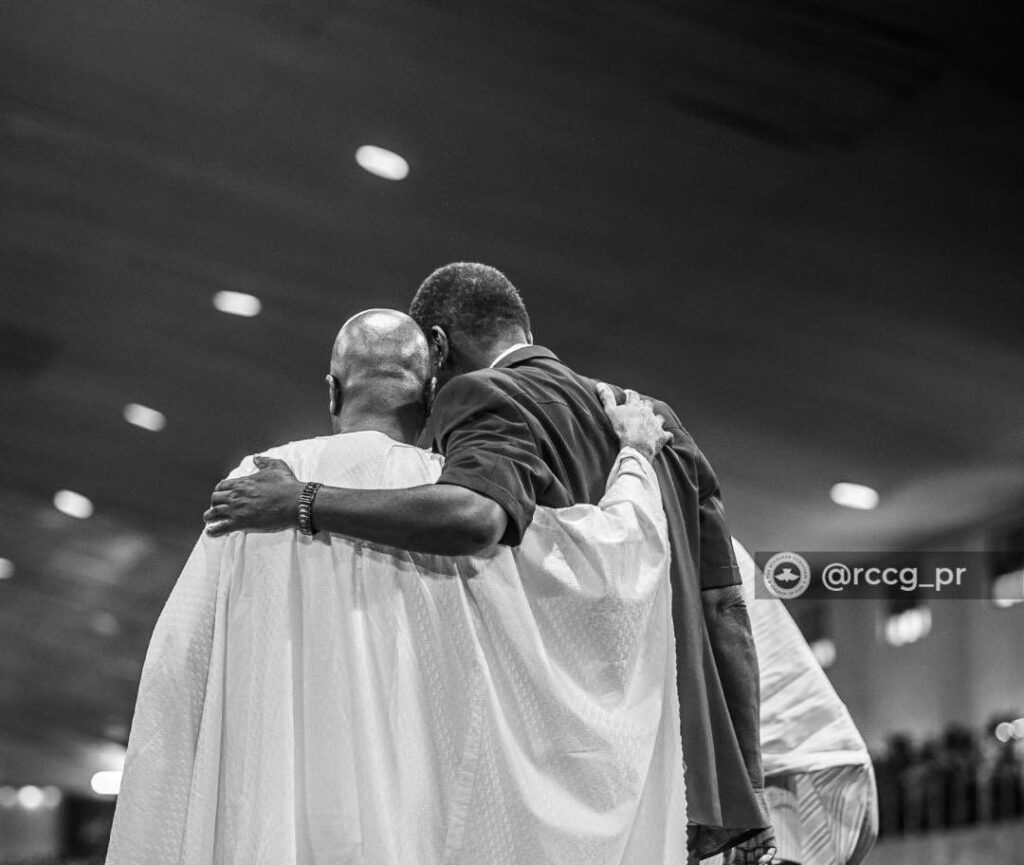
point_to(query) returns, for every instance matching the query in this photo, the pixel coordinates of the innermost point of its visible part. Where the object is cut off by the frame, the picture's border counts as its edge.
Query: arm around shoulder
(442, 519)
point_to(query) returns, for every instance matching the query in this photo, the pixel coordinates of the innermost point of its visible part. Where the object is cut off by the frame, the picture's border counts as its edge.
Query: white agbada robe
(323, 701)
(808, 736)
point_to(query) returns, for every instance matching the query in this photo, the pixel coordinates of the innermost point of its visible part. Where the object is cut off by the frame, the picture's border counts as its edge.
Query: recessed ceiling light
(30, 797)
(1008, 589)
(6, 569)
(908, 627)
(73, 504)
(382, 162)
(855, 496)
(145, 417)
(237, 303)
(106, 783)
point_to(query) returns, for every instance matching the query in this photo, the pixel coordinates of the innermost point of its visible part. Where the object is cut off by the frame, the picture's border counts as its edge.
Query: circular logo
(787, 575)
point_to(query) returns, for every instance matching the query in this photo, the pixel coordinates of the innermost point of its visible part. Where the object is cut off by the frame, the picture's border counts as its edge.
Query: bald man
(518, 428)
(309, 699)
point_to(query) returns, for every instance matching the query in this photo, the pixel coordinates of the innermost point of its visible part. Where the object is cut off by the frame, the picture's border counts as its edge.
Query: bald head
(380, 365)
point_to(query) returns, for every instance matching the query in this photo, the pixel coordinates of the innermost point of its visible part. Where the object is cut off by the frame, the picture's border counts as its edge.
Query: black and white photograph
(511, 432)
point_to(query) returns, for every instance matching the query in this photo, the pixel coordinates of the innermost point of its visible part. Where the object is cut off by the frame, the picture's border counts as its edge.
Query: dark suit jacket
(533, 432)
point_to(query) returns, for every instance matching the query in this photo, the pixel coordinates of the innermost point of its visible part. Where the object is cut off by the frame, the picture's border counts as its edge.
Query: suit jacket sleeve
(729, 640)
(489, 448)
(716, 559)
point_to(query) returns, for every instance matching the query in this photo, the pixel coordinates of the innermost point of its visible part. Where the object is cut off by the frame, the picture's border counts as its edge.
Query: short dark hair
(475, 299)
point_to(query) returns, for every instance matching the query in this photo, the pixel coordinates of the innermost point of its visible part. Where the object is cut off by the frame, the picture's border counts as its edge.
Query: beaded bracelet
(306, 507)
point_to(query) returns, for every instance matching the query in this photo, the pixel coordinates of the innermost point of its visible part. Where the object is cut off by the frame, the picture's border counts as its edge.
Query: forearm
(728, 623)
(632, 493)
(436, 518)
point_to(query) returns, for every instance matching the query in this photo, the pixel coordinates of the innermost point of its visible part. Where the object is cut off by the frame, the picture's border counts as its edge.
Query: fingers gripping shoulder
(248, 464)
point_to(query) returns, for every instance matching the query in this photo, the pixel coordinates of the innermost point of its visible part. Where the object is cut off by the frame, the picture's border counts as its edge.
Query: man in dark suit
(518, 428)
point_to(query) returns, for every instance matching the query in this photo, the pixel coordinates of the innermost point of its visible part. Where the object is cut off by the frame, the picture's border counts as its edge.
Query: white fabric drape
(330, 702)
(804, 725)
(821, 791)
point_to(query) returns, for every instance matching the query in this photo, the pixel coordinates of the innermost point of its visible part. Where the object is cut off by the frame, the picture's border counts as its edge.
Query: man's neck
(468, 355)
(405, 430)
(505, 352)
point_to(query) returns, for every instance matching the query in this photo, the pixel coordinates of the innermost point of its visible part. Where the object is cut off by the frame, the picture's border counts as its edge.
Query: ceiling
(798, 222)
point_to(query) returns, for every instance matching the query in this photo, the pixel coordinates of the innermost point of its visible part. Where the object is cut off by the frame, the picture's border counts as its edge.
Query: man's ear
(440, 347)
(333, 395)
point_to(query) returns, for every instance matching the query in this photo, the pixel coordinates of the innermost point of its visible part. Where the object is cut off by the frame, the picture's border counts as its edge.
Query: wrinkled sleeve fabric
(633, 494)
(627, 528)
(489, 448)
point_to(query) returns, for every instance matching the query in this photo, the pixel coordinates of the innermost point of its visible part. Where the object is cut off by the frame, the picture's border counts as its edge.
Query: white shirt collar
(507, 352)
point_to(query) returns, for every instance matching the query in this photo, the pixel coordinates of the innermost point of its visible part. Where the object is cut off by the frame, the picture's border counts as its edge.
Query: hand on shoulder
(635, 422)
